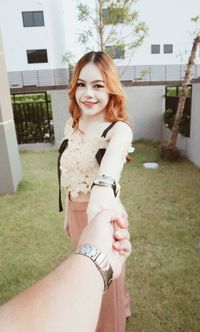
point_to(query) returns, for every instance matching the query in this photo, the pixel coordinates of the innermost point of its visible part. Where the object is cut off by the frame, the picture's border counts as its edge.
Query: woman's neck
(100, 117)
(95, 124)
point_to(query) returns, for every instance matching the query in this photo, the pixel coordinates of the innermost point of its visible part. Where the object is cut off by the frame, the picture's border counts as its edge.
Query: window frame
(153, 46)
(33, 13)
(28, 52)
(167, 45)
(115, 49)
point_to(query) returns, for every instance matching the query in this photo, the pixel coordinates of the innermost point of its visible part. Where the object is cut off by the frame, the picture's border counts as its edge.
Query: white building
(33, 33)
(170, 38)
(37, 33)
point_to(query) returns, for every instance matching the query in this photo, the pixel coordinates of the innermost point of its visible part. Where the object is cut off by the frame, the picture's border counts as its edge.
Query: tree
(110, 25)
(68, 58)
(169, 150)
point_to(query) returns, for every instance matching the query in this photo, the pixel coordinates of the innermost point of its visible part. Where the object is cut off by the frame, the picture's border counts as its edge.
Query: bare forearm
(116, 152)
(70, 296)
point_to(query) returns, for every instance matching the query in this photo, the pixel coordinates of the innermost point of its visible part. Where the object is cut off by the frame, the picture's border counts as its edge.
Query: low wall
(193, 146)
(60, 106)
(145, 105)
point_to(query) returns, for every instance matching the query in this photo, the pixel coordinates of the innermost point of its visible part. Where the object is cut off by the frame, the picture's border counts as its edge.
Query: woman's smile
(89, 104)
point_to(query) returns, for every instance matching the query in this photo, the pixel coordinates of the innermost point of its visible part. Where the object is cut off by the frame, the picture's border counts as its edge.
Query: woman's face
(91, 94)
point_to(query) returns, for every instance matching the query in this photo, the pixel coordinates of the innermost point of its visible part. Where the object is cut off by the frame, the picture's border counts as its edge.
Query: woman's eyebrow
(95, 81)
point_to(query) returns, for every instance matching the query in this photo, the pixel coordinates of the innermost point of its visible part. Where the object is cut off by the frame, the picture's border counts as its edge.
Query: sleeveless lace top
(78, 164)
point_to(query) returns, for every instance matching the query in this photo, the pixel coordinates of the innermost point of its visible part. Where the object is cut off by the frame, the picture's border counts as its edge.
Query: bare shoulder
(124, 130)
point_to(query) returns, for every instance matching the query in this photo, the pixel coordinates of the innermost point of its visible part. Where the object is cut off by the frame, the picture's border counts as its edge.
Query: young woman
(97, 139)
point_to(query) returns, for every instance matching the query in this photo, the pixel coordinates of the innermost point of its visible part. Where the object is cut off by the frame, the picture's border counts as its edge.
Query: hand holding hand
(108, 232)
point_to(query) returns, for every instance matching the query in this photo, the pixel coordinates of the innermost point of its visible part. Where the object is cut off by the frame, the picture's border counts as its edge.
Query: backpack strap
(100, 153)
(62, 148)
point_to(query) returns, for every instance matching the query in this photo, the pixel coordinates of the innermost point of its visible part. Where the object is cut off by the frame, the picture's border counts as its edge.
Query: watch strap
(100, 260)
(106, 181)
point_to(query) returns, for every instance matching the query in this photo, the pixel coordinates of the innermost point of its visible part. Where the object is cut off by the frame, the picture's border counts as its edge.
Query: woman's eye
(80, 85)
(99, 86)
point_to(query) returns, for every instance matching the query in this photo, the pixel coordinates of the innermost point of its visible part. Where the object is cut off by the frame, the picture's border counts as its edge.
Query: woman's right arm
(112, 163)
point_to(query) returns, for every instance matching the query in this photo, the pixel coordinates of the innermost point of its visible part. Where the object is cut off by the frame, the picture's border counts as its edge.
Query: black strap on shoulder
(100, 153)
(107, 129)
(62, 148)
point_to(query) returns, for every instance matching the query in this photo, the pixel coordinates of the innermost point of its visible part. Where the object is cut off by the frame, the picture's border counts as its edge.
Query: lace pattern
(78, 164)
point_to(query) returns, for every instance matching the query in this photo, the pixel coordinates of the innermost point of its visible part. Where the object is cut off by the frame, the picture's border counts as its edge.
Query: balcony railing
(58, 77)
(38, 78)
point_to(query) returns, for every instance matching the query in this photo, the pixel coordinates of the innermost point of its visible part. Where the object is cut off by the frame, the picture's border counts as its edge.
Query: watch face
(104, 180)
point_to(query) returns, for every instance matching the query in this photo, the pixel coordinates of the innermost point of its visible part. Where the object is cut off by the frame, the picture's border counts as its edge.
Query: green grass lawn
(163, 272)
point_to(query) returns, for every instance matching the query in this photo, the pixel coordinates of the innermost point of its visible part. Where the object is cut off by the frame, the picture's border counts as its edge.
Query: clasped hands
(108, 232)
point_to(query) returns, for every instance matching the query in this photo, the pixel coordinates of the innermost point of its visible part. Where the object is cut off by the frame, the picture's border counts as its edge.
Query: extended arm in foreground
(69, 298)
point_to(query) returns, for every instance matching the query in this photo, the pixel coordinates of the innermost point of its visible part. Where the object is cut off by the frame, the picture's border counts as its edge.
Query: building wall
(144, 106)
(193, 146)
(17, 38)
(10, 167)
(169, 22)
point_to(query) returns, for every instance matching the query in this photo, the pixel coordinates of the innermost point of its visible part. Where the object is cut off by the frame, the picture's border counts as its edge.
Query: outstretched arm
(111, 166)
(117, 150)
(69, 298)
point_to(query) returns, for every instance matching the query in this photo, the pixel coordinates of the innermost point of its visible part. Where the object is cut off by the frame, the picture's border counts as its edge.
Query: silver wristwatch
(106, 181)
(100, 260)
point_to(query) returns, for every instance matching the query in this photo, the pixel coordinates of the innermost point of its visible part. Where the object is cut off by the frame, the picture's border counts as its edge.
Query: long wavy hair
(115, 109)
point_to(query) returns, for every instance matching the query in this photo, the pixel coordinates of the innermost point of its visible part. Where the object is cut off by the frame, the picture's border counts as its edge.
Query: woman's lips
(89, 104)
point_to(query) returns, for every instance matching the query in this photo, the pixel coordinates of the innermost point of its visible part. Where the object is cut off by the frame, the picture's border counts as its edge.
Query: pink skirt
(115, 306)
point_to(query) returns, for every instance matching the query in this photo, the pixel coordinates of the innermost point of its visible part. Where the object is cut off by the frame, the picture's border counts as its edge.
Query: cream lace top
(78, 164)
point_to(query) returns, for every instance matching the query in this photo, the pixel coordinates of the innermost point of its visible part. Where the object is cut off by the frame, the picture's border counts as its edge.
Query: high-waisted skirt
(115, 306)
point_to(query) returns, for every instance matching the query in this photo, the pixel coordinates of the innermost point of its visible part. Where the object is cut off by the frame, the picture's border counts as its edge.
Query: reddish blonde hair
(115, 110)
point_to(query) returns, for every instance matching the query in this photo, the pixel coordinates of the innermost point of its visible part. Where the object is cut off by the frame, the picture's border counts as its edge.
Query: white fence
(56, 77)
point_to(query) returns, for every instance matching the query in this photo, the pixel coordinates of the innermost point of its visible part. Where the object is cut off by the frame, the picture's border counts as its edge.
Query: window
(168, 48)
(112, 15)
(33, 19)
(116, 52)
(155, 49)
(37, 56)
